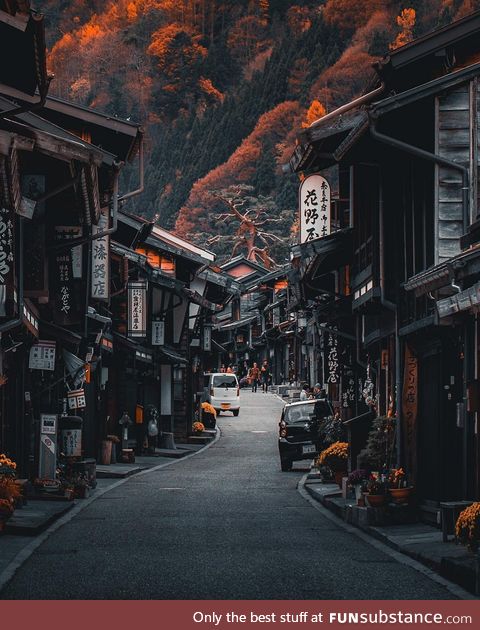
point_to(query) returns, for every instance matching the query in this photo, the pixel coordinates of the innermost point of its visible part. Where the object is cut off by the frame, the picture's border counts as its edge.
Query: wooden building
(395, 282)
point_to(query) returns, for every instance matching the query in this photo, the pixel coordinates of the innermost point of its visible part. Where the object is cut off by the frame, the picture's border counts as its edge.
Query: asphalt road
(224, 524)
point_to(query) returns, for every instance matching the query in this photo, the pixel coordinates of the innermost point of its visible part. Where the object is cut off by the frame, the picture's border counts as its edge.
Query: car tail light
(238, 390)
(283, 424)
(283, 433)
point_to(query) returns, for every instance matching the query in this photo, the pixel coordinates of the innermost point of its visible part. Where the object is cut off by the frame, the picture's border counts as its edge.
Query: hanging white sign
(158, 333)
(42, 356)
(100, 274)
(76, 399)
(207, 338)
(137, 312)
(314, 202)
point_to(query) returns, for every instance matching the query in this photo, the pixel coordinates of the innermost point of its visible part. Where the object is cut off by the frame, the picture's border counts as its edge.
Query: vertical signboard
(65, 232)
(137, 311)
(158, 333)
(314, 203)
(100, 274)
(332, 359)
(410, 410)
(207, 338)
(6, 256)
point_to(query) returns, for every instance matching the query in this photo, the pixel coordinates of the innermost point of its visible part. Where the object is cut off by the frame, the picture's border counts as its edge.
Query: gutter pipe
(141, 175)
(361, 100)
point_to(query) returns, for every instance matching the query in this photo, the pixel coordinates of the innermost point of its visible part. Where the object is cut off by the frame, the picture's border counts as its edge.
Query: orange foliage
(347, 15)
(315, 111)
(299, 19)
(209, 89)
(166, 41)
(406, 21)
(238, 169)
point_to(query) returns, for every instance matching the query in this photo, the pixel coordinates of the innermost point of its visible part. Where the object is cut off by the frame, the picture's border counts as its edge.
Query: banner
(410, 411)
(314, 203)
(6, 257)
(100, 275)
(137, 309)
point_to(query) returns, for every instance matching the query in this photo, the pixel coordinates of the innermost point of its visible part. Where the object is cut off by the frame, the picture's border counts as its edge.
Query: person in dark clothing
(265, 376)
(254, 375)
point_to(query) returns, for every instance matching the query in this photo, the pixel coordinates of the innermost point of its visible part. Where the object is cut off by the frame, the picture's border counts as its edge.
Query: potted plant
(356, 479)
(9, 490)
(335, 457)
(209, 414)
(198, 427)
(376, 491)
(398, 488)
(467, 527)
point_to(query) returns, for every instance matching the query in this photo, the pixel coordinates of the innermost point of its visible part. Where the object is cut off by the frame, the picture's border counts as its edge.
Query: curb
(22, 556)
(399, 556)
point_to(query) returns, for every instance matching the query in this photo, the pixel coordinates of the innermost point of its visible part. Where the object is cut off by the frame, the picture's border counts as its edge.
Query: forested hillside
(222, 87)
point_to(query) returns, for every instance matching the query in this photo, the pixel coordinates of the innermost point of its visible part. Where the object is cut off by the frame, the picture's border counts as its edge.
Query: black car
(300, 430)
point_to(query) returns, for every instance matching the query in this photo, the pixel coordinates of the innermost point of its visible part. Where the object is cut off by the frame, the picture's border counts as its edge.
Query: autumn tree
(406, 22)
(315, 111)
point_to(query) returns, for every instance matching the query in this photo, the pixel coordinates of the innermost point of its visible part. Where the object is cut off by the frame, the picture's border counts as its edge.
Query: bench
(449, 513)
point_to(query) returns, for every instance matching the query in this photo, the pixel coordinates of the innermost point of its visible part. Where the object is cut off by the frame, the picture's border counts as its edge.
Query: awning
(171, 355)
(322, 144)
(141, 352)
(219, 346)
(237, 324)
(460, 266)
(336, 246)
(459, 302)
(196, 298)
(54, 331)
(368, 415)
(274, 305)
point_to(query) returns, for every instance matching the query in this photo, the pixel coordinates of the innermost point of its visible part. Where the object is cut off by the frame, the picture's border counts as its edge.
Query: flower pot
(400, 495)
(339, 475)
(376, 500)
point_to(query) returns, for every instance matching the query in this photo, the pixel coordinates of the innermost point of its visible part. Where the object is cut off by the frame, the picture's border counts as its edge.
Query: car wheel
(235, 412)
(286, 464)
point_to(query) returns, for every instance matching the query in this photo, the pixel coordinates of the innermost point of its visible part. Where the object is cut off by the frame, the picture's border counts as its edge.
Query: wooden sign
(137, 311)
(410, 410)
(100, 273)
(76, 399)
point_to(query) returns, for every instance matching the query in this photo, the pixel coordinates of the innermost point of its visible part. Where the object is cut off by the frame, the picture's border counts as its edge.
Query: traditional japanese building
(393, 286)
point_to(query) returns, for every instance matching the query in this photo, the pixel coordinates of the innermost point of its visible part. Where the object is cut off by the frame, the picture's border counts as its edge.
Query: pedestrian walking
(253, 376)
(265, 376)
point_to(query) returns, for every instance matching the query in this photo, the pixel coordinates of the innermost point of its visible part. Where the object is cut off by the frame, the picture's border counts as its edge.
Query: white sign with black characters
(332, 359)
(158, 333)
(137, 312)
(42, 356)
(314, 202)
(100, 273)
(207, 338)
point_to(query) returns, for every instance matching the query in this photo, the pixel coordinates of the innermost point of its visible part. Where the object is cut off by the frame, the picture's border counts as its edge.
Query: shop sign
(100, 274)
(32, 189)
(276, 316)
(348, 394)
(332, 359)
(64, 291)
(410, 409)
(76, 399)
(137, 313)
(48, 424)
(71, 442)
(158, 333)
(42, 356)
(314, 202)
(66, 232)
(207, 338)
(6, 255)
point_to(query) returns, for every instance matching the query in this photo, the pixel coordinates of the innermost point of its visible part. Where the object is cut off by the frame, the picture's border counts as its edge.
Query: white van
(223, 392)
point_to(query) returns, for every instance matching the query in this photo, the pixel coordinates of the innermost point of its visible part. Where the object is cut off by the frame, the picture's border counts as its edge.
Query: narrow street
(225, 523)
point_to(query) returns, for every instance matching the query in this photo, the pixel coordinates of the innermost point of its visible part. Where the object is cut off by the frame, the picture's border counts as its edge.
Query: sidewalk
(28, 525)
(417, 540)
